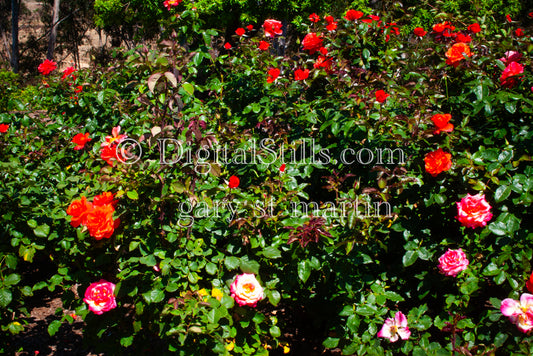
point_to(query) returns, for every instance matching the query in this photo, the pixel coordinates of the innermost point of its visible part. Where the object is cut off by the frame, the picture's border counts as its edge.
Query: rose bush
(205, 164)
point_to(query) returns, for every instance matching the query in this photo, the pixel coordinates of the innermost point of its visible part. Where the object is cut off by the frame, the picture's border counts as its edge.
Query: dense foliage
(369, 180)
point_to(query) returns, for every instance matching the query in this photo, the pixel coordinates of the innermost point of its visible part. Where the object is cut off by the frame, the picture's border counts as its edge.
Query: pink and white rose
(473, 211)
(519, 312)
(100, 297)
(395, 328)
(452, 262)
(246, 290)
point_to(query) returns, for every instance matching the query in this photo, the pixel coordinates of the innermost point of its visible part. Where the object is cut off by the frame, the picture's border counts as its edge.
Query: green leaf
(393, 296)
(469, 286)
(12, 279)
(154, 296)
(491, 270)
(149, 260)
(409, 258)
(366, 310)
(274, 297)
(249, 266)
(331, 342)
(189, 88)
(232, 262)
(126, 341)
(211, 268)
(498, 228)
(132, 194)
(42, 230)
(54, 327)
(500, 339)
(304, 270)
(100, 97)
(5, 297)
(502, 193)
(15, 327)
(275, 331)
(271, 252)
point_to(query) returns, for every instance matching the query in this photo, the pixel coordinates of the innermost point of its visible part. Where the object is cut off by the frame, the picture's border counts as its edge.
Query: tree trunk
(53, 32)
(15, 7)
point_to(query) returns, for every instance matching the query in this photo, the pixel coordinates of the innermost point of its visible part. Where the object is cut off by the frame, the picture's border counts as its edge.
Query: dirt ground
(30, 23)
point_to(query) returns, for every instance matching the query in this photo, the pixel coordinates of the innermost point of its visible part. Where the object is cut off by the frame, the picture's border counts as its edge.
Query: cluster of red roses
(439, 161)
(97, 216)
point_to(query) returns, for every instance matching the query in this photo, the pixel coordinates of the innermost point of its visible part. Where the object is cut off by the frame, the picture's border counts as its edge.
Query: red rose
(352, 15)
(100, 221)
(474, 28)
(463, 38)
(233, 182)
(312, 42)
(508, 78)
(106, 198)
(314, 17)
(227, 45)
(263, 45)
(457, 53)
(324, 62)
(68, 72)
(47, 67)
(332, 26)
(420, 32)
(282, 168)
(272, 28)
(301, 74)
(381, 96)
(438, 161)
(240, 31)
(273, 74)
(441, 121)
(508, 17)
(519, 33)
(78, 209)
(250, 27)
(3, 128)
(529, 283)
(109, 154)
(80, 140)
(444, 29)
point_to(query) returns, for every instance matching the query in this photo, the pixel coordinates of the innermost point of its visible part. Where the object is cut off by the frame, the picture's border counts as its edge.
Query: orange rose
(106, 198)
(438, 161)
(100, 222)
(457, 53)
(78, 209)
(441, 121)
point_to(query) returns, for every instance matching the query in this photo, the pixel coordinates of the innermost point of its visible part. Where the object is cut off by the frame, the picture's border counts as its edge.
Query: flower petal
(510, 307)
